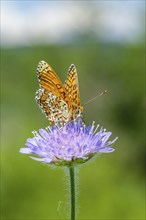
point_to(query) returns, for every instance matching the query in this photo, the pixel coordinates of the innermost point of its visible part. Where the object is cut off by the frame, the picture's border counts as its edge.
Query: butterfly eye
(78, 112)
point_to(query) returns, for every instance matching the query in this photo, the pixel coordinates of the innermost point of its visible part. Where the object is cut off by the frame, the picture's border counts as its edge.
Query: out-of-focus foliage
(112, 186)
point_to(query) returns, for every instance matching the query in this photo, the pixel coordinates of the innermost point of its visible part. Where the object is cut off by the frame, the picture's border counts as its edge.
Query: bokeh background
(105, 40)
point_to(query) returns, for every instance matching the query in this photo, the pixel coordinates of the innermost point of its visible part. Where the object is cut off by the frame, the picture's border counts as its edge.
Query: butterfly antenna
(103, 93)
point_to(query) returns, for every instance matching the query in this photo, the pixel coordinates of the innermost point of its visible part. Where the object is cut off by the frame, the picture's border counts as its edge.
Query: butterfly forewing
(49, 80)
(72, 86)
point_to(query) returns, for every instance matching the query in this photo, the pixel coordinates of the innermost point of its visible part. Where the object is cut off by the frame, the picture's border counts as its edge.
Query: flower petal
(106, 150)
(26, 151)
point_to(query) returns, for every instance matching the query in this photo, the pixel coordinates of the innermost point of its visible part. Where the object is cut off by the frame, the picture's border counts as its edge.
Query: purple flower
(69, 144)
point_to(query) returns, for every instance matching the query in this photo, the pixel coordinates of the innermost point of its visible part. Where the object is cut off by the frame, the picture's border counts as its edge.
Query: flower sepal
(74, 161)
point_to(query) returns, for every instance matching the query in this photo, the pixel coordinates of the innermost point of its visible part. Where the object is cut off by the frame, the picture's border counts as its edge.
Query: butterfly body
(59, 102)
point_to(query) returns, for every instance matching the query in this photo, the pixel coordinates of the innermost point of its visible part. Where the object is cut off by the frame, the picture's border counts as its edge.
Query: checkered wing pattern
(58, 102)
(72, 87)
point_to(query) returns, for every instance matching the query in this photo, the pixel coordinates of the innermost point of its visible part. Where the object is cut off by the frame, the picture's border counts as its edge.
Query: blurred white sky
(27, 22)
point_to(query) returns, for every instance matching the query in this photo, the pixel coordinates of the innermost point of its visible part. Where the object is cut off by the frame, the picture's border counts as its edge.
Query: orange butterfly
(59, 102)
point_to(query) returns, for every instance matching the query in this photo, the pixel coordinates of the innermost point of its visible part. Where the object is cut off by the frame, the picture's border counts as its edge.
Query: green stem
(72, 188)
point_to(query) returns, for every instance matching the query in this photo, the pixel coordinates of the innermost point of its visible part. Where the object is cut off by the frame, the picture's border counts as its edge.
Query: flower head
(69, 144)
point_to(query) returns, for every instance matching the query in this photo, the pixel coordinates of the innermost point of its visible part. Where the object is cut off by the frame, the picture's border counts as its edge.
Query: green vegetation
(112, 186)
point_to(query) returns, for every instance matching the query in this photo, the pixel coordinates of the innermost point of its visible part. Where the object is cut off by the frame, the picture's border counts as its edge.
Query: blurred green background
(113, 185)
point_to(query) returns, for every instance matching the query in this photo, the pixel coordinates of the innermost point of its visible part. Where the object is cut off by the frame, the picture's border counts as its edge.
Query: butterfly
(59, 102)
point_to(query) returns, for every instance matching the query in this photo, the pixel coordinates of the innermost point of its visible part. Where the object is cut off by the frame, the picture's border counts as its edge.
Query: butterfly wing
(48, 80)
(52, 97)
(72, 87)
